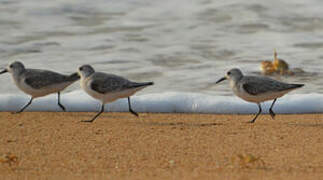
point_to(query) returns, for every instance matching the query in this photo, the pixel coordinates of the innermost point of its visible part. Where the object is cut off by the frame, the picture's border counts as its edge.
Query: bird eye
(81, 68)
(11, 66)
(229, 73)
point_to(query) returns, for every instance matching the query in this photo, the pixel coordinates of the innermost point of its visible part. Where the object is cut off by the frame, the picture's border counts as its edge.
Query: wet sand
(48, 145)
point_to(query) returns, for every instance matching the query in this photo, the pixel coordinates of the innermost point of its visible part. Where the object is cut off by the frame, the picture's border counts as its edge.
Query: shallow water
(182, 45)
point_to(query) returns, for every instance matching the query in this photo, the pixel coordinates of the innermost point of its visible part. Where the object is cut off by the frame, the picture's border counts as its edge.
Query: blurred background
(181, 45)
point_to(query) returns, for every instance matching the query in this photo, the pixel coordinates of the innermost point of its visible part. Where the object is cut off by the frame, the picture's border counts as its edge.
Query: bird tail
(295, 86)
(144, 84)
(74, 77)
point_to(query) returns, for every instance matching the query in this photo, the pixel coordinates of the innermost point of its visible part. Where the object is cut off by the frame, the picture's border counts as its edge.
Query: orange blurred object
(280, 65)
(267, 67)
(276, 66)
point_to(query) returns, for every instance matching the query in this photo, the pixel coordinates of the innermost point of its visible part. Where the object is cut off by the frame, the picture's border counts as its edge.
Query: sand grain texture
(48, 145)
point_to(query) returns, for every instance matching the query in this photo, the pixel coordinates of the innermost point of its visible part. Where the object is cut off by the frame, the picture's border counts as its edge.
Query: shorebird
(38, 83)
(108, 87)
(257, 89)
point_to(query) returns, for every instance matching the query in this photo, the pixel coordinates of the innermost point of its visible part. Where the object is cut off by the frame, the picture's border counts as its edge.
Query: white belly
(111, 96)
(41, 91)
(240, 92)
(260, 97)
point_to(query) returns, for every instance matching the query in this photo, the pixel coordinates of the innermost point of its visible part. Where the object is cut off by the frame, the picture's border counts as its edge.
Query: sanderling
(257, 89)
(108, 87)
(37, 82)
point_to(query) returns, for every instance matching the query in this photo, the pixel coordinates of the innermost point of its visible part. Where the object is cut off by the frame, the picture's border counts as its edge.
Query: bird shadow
(110, 116)
(183, 124)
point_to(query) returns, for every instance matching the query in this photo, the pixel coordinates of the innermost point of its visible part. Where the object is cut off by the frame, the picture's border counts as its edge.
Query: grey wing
(105, 83)
(40, 78)
(264, 85)
(251, 88)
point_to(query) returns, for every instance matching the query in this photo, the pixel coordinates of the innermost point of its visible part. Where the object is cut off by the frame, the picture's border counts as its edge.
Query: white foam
(169, 102)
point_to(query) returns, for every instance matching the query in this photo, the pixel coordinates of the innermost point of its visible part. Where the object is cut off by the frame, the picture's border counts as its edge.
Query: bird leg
(254, 119)
(91, 120)
(272, 114)
(59, 102)
(130, 109)
(23, 108)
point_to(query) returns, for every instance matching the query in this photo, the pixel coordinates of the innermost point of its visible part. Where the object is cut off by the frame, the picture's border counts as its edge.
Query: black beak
(220, 80)
(4, 71)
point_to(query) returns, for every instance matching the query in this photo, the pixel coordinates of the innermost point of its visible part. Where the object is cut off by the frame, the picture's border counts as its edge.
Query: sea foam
(167, 102)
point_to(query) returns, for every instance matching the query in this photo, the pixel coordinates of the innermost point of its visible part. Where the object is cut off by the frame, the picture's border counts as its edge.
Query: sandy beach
(49, 145)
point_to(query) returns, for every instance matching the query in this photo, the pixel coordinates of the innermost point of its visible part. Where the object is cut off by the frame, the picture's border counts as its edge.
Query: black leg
(130, 109)
(23, 108)
(59, 102)
(254, 119)
(91, 120)
(272, 114)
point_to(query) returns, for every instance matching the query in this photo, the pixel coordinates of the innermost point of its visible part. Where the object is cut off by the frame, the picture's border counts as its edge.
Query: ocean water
(184, 46)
